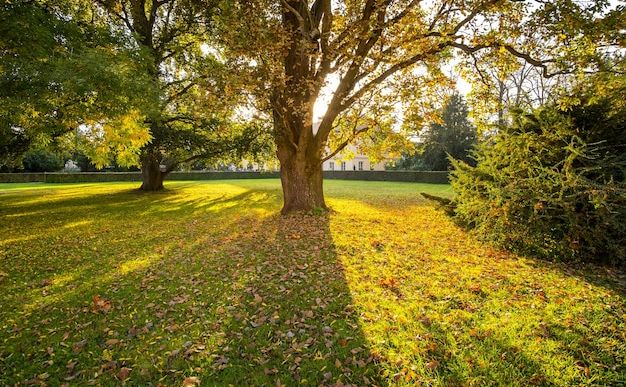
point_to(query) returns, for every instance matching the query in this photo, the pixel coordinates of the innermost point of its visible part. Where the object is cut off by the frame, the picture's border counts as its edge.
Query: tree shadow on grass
(292, 318)
(218, 290)
(605, 275)
(609, 277)
(482, 358)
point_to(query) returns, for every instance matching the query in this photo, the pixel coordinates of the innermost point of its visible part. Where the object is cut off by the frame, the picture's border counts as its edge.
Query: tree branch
(341, 146)
(542, 64)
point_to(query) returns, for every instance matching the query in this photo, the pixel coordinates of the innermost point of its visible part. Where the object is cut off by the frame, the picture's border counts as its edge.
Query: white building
(360, 162)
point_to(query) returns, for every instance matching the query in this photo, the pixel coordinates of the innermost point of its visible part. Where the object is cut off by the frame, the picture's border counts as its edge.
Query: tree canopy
(60, 72)
(131, 79)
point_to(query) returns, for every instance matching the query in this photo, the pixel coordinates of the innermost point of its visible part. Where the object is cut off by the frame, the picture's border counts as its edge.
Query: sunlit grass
(206, 280)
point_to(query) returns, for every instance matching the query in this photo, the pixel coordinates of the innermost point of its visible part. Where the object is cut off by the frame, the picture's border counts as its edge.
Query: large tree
(359, 51)
(192, 119)
(58, 73)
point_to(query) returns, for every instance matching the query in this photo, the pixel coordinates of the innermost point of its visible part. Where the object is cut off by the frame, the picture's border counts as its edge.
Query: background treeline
(451, 136)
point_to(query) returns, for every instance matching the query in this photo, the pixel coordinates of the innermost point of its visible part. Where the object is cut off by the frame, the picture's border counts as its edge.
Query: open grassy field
(205, 283)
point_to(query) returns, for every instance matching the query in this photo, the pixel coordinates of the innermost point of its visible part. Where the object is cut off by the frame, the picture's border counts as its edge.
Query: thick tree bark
(151, 175)
(301, 179)
(298, 149)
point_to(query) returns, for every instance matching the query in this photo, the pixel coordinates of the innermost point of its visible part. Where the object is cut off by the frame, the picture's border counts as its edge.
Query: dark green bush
(40, 160)
(552, 184)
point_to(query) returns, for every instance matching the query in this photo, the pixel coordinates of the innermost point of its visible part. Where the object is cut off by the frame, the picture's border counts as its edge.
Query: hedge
(22, 177)
(435, 177)
(439, 177)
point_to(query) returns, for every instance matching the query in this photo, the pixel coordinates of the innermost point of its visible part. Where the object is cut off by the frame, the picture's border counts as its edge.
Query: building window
(343, 165)
(360, 165)
(331, 165)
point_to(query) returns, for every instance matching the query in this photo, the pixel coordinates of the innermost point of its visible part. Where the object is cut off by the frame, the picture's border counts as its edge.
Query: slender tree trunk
(151, 175)
(301, 179)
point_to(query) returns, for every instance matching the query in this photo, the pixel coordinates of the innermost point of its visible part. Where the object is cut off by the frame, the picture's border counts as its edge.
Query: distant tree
(501, 88)
(83, 162)
(452, 136)
(40, 160)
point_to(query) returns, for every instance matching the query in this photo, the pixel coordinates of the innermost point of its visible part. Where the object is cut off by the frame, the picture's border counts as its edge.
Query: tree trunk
(301, 179)
(151, 175)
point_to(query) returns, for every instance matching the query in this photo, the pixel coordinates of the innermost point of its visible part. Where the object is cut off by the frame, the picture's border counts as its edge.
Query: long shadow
(491, 359)
(293, 320)
(607, 276)
(213, 290)
(611, 278)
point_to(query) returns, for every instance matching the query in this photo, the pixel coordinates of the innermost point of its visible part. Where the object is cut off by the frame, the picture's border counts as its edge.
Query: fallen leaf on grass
(378, 245)
(123, 373)
(388, 282)
(100, 304)
(191, 381)
(70, 366)
(46, 282)
(432, 364)
(178, 300)
(77, 347)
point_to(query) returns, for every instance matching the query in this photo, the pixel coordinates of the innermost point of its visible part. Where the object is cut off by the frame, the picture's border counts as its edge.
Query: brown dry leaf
(112, 342)
(377, 245)
(100, 304)
(77, 347)
(132, 332)
(191, 381)
(179, 299)
(123, 373)
(389, 282)
(70, 366)
(432, 364)
(46, 282)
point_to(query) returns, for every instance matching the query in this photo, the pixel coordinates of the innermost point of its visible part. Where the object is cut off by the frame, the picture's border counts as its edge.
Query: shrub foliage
(552, 183)
(40, 160)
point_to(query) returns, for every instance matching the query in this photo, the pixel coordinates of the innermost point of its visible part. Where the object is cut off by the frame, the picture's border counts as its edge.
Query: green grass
(206, 280)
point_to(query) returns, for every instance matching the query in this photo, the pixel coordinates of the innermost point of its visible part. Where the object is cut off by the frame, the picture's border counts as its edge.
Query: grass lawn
(206, 283)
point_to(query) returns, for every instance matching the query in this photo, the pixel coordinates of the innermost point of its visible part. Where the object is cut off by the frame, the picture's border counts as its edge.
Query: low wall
(440, 177)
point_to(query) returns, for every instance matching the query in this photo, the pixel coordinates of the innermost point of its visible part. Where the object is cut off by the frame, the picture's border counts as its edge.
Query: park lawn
(206, 283)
